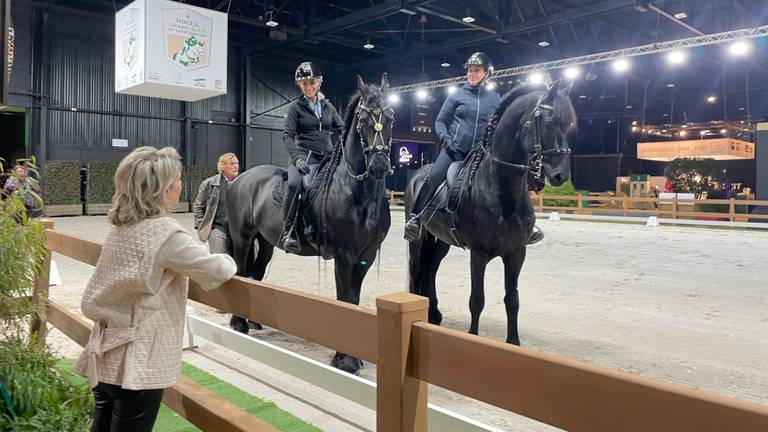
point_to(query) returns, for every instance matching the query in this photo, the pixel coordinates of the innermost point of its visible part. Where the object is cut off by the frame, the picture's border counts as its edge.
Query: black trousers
(121, 410)
(436, 176)
(294, 184)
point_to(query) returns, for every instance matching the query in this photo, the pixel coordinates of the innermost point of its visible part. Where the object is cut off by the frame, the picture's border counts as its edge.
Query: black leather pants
(121, 410)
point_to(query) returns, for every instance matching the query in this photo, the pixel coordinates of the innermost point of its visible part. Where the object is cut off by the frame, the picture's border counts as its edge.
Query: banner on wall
(170, 50)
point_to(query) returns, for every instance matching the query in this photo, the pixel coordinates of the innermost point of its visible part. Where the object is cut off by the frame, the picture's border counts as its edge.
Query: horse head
(546, 130)
(373, 122)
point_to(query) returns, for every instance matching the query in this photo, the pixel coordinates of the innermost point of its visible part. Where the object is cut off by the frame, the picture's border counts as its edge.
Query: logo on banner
(187, 38)
(405, 155)
(130, 38)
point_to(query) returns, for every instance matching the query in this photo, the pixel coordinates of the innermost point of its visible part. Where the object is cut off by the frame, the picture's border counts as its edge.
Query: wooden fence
(410, 354)
(671, 208)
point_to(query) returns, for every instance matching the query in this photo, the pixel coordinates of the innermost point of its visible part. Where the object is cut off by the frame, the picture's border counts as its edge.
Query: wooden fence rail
(410, 354)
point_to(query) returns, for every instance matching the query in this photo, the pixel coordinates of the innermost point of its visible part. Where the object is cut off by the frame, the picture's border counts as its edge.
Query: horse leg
(259, 266)
(425, 256)
(512, 266)
(243, 250)
(478, 263)
(350, 271)
(255, 269)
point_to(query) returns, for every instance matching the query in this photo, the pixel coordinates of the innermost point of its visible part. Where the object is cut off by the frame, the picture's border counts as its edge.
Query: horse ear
(360, 83)
(384, 82)
(566, 92)
(551, 92)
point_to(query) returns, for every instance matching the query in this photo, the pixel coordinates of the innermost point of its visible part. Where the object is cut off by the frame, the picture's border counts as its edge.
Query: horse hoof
(238, 324)
(514, 341)
(435, 318)
(347, 363)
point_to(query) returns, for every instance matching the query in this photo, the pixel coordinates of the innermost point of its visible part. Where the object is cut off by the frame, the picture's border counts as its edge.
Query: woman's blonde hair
(223, 159)
(141, 180)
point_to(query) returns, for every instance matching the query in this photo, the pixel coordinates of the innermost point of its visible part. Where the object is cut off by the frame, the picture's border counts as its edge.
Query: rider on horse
(460, 126)
(309, 125)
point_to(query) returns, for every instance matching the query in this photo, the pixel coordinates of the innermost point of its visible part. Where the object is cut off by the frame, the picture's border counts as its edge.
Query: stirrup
(413, 228)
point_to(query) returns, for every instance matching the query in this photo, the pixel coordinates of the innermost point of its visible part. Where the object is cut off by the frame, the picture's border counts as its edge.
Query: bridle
(378, 146)
(538, 152)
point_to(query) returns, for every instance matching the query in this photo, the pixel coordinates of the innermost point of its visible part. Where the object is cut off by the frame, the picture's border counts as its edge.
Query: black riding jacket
(304, 131)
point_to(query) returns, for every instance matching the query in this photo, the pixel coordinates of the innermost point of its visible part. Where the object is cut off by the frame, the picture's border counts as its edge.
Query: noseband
(378, 146)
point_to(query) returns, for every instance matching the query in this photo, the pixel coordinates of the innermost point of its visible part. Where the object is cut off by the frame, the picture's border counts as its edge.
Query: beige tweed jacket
(136, 299)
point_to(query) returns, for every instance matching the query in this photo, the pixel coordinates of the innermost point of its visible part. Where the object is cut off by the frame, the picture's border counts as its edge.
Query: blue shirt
(317, 107)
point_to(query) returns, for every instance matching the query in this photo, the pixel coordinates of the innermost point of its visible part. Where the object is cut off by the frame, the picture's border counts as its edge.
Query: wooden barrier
(672, 208)
(396, 198)
(411, 353)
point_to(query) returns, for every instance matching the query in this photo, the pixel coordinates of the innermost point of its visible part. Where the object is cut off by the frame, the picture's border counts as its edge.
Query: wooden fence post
(580, 206)
(624, 205)
(40, 294)
(401, 400)
(541, 202)
(732, 210)
(674, 208)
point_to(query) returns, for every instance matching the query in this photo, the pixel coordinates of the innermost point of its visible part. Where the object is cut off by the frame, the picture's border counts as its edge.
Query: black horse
(350, 210)
(526, 135)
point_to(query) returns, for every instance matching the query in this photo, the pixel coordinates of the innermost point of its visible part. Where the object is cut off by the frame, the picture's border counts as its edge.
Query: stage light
(543, 44)
(739, 48)
(368, 44)
(394, 98)
(421, 94)
(676, 57)
(271, 22)
(572, 73)
(445, 64)
(490, 85)
(712, 99)
(621, 65)
(681, 15)
(536, 78)
(451, 89)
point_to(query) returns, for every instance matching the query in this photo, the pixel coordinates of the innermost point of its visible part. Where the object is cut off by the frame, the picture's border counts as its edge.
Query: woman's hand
(301, 166)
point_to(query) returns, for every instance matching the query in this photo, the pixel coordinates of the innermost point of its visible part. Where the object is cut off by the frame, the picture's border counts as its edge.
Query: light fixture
(393, 98)
(739, 48)
(634, 128)
(536, 78)
(712, 99)
(676, 57)
(271, 20)
(572, 73)
(210, 121)
(468, 18)
(670, 85)
(543, 44)
(421, 94)
(451, 89)
(681, 15)
(704, 132)
(368, 44)
(621, 65)
(683, 133)
(490, 85)
(722, 131)
(445, 64)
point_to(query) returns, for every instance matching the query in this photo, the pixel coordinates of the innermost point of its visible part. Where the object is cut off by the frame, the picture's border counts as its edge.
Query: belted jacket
(136, 299)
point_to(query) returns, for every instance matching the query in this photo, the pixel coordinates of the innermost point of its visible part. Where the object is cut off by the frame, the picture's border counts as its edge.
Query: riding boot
(290, 242)
(536, 235)
(413, 226)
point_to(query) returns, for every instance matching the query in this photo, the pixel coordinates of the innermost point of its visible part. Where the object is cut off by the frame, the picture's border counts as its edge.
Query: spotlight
(490, 85)
(543, 44)
(670, 85)
(722, 131)
(676, 57)
(451, 89)
(368, 44)
(271, 22)
(572, 73)
(704, 132)
(634, 128)
(712, 99)
(421, 94)
(739, 48)
(683, 133)
(394, 98)
(445, 64)
(468, 18)
(621, 65)
(536, 78)
(681, 15)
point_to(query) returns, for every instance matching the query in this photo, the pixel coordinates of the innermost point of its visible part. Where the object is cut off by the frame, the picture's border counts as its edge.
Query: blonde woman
(138, 291)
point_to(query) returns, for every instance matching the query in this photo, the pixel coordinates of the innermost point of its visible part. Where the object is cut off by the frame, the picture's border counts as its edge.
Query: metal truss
(653, 48)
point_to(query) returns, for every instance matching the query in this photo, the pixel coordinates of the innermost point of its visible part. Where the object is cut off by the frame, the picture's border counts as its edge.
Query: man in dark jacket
(309, 127)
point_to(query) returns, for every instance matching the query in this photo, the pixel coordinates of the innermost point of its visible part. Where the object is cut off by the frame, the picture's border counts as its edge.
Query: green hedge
(197, 175)
(564, 189)
(62, 182)
(100, 183)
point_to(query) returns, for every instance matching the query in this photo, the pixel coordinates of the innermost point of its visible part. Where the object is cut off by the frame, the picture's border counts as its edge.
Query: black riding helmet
(480, 59)
(308, 70)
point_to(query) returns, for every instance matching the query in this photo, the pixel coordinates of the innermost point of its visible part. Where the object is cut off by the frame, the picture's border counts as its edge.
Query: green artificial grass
(169, 421)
